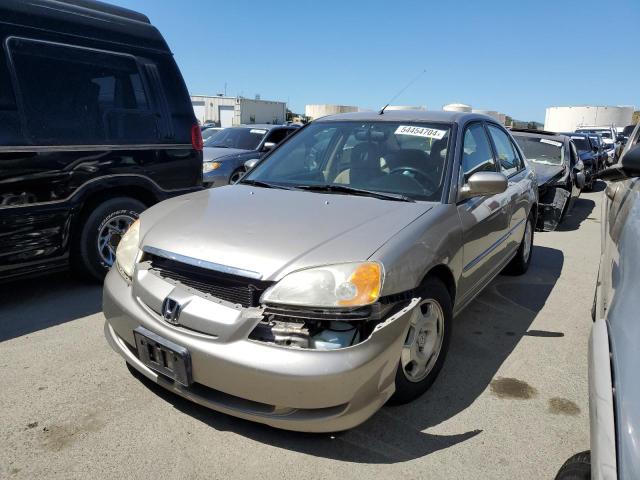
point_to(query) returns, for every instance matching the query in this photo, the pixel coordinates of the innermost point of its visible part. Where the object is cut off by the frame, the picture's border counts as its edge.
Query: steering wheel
(423, 178)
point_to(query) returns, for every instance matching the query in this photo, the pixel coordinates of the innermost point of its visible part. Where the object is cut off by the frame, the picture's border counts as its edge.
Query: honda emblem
(171, 310)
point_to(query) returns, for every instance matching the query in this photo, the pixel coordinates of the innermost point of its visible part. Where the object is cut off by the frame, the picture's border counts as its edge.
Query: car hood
(217, 153)
(272, 232)
(546, 173)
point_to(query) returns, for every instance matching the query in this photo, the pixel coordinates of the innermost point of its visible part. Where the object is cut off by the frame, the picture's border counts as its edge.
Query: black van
(96, 124)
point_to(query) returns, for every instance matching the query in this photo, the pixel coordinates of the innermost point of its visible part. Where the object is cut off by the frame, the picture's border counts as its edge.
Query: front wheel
(426, 344)
(236, 175)
(520, 263)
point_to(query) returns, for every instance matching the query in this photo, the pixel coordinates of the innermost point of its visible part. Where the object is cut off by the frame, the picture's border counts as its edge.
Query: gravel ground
(511, 401)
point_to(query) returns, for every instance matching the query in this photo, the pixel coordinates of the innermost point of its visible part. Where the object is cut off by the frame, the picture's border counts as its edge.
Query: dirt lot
(511, 401)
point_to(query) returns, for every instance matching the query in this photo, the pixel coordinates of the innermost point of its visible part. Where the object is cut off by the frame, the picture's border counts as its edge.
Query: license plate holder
(163, 356)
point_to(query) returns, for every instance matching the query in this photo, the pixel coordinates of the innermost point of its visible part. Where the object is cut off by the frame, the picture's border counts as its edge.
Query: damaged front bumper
(553, 205)
(290, 388)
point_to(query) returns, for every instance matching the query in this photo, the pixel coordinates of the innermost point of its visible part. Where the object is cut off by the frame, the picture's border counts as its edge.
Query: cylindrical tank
(457, 107)
(567, 119)
(322, 110)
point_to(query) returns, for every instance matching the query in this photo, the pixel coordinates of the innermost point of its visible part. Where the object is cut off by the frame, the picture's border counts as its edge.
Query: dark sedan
(559, 170)
(225, 153)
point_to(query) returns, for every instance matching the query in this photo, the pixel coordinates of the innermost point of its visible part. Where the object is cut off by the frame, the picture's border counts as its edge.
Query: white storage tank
(457, 107)
(567, 119)
(322, 110)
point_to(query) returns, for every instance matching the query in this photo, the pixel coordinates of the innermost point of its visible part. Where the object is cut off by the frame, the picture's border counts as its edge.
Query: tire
(577, 467)
(236, 175)
(520, 263)
(87, 259)
(434, 296)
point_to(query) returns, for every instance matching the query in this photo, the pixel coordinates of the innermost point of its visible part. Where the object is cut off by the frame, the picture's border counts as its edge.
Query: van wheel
(426, 344)
(520, 263)
(100, 234)
(577, 467)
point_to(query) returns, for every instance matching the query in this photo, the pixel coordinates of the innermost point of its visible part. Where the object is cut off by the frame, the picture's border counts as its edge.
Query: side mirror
(481, 184)
(628, 166)
(268, 146)
(249, 164)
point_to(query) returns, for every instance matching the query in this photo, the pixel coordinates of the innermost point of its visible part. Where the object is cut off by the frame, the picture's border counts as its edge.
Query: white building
(229, 111)
(322, 110)
(567, 119)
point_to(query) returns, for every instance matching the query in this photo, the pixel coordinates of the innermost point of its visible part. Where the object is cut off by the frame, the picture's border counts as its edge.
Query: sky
(517, 57)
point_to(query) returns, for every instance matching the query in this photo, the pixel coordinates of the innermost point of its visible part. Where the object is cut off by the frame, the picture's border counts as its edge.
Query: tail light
(196, 137)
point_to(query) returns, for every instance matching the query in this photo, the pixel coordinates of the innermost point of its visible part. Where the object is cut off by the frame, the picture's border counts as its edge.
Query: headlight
(210, 166)
(127, 250)
(343, 285)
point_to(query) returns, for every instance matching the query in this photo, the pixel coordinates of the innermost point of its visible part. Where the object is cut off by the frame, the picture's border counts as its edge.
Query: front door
(485, 220)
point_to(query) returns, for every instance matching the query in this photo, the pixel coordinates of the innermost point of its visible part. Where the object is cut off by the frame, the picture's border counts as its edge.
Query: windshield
(209, 132)
(581, 144)
(407, 159)
(602, 133)
(541, 150)
(241, 138)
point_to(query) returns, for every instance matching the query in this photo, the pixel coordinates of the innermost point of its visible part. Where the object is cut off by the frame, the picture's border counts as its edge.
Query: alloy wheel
(109, 236)
(424, 341)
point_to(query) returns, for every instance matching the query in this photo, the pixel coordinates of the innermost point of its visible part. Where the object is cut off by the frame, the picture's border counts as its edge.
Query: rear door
(512, 165)
(484, 220)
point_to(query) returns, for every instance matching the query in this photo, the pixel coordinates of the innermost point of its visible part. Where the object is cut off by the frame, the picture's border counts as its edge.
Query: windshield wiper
(260, 183)
(355, 191)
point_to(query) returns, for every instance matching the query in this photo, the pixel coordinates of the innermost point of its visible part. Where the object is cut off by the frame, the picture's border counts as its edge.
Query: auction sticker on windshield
(551, 142)
(420, 132)
(255, 130)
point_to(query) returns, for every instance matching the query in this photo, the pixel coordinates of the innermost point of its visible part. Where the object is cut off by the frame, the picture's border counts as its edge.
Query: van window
(76, 96)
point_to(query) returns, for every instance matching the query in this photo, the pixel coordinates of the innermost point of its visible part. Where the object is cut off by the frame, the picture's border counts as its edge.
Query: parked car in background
(225, 153)
(96, 125)
(602, 154)
(614, 391)
(609, 136)
(324, 282)
(589, 153)
(559, 171)
(208, 132)
(633, 139)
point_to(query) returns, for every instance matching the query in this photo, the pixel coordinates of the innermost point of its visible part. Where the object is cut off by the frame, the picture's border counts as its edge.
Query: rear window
(581, 144)
(77, 96)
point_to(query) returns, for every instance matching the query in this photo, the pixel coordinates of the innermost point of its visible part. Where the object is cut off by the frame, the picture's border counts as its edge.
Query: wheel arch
(443, 273)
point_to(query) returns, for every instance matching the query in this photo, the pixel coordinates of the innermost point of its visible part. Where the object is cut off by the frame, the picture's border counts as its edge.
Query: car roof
(408, 116)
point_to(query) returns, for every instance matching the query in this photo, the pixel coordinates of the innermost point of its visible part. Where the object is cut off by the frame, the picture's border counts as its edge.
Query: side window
(91, 97)
(476, 152)
(276, 136)
(507, 156)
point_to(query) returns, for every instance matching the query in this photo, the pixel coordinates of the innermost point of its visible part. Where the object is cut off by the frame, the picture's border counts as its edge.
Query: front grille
(225, 286)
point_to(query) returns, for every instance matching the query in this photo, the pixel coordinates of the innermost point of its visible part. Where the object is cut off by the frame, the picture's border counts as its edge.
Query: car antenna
(381, 112)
